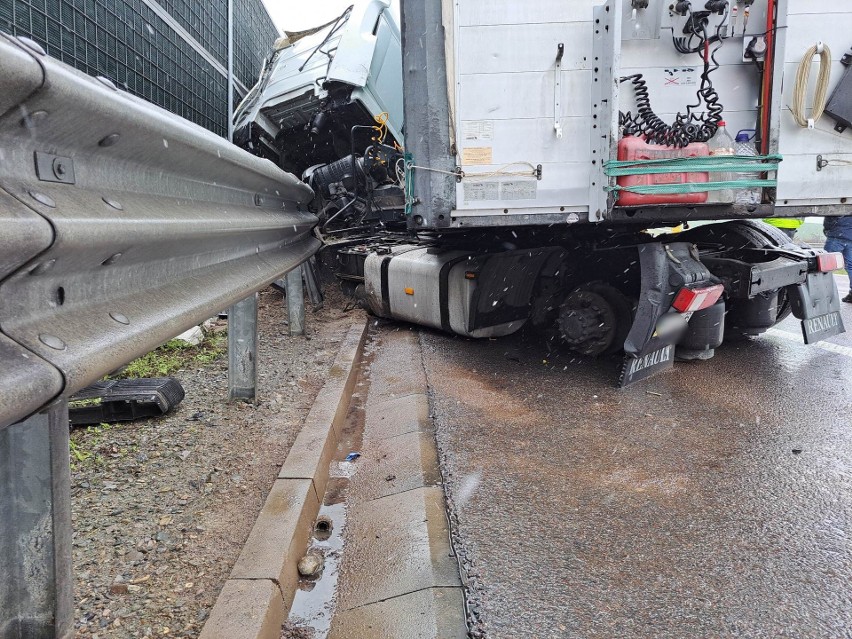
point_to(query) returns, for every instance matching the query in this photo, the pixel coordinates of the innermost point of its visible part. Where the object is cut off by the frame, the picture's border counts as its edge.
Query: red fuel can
(636, 148)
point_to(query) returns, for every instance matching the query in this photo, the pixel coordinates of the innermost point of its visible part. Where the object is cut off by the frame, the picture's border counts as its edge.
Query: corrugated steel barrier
(121, 225)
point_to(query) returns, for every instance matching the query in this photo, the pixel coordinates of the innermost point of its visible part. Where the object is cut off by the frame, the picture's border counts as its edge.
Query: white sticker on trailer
(518, 189)
(478, 191)
(680, 77)
(477, 130)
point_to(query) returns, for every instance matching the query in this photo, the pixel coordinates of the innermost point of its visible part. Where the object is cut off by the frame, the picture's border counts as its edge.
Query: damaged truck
(494, 165)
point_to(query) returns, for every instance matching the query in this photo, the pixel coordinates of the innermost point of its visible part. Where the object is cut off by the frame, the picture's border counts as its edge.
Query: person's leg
(847, 257)
(834, 246)
(791, 233)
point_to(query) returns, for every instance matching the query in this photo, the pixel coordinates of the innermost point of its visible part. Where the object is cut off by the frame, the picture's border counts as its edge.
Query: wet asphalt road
(714, 500)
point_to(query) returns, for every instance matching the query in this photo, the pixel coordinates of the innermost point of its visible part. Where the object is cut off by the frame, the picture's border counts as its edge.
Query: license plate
(822, 326)
(642, 367)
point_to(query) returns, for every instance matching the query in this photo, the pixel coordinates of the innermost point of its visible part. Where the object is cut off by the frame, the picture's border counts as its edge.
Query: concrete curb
(399, 577)
(256, 598)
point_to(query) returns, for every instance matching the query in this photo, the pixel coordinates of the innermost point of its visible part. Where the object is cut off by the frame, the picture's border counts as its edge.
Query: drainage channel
(314, 602)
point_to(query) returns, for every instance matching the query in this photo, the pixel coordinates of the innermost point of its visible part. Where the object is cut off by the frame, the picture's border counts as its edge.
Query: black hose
(354, 156)
(688, 127)
(649, 123)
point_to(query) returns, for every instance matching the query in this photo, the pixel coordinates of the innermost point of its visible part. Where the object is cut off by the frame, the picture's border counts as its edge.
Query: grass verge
(173, 356)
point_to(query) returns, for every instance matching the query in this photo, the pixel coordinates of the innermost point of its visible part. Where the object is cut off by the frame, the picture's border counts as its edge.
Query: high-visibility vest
(785, 222)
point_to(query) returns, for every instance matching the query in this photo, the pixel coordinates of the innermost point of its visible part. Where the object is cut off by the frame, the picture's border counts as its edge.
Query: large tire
(738, 234)
(624, 312)
(613, 308)
(744, 234)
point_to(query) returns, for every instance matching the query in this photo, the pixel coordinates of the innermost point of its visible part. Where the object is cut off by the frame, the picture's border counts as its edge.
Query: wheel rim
(587, 322)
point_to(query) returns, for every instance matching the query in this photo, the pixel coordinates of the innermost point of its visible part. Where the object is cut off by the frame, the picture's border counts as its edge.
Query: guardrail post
(296, 301)
(309, 269)
(242, 349)
(36, 588)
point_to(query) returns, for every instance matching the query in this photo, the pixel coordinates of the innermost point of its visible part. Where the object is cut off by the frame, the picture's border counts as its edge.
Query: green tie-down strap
(703, 164)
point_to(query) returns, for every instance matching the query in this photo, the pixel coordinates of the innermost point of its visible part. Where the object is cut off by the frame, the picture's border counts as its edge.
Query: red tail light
(689, 300)
(828, 262)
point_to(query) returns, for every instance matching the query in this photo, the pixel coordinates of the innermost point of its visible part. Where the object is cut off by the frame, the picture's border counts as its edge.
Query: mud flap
(650, 344)
(638, 368)
(126, 400)
(816, 303)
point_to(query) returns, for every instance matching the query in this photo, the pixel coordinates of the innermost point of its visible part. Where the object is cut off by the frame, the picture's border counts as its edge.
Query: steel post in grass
(36, 588)
(242, 349)
(296, 301)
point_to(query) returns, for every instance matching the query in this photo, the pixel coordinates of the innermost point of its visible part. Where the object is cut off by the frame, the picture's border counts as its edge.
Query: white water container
(722, 144)
(745, 147)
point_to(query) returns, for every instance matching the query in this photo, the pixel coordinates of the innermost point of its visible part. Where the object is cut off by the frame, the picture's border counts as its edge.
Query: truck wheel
(762, 235)
(739, 234)
(594, 319)
(784, 306)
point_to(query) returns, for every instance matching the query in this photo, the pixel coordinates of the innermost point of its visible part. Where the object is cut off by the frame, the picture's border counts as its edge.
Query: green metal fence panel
(129, 43)
(254, 35)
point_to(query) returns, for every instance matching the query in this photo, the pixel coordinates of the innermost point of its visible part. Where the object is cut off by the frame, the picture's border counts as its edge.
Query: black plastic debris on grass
(124, 400)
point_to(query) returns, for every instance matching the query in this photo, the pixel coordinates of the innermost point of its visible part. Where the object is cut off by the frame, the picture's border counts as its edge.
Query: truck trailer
(496, 164)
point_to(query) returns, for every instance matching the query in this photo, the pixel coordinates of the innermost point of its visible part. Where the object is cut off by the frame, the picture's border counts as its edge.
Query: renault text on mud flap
(824, 323)
(652, 359)
(647, 365)
(818, 328)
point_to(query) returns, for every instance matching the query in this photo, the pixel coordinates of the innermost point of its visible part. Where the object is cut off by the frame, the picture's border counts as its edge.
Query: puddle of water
(343, 469)
(313, 604)
(335, 490)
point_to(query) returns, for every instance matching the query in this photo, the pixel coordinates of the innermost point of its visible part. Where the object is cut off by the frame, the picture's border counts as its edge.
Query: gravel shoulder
(162, 507)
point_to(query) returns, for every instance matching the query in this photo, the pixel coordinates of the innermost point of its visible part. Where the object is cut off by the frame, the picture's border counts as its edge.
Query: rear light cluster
(689, 300)
(828, 262)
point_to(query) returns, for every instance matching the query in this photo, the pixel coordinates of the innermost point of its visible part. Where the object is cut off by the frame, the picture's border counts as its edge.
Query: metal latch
(557, 93)
(54, 168)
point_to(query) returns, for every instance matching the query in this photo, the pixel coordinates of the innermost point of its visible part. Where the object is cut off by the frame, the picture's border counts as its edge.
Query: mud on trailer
(499, 164)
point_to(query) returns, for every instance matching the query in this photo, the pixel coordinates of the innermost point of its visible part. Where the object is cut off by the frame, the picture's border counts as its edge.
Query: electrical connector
(716, 6)
(697, 21)
(756, 49)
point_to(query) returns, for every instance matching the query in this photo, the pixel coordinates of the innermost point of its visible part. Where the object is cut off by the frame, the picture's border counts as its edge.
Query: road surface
(714, 500)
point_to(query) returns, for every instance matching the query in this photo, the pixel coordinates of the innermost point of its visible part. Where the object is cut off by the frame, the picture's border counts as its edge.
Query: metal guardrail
(121, 225)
